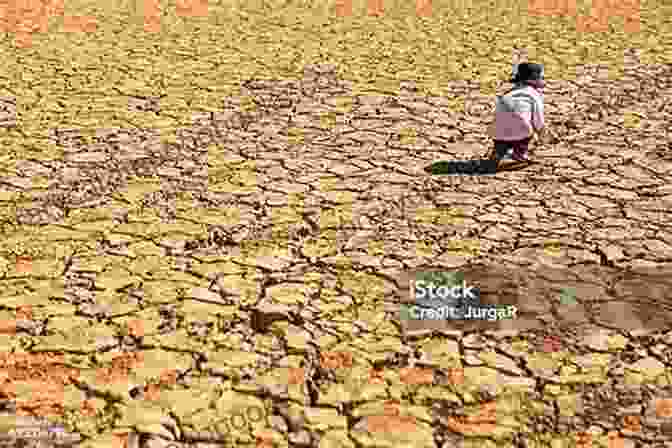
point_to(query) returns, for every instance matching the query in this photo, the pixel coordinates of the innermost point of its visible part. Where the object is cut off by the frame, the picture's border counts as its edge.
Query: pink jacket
(518, 113)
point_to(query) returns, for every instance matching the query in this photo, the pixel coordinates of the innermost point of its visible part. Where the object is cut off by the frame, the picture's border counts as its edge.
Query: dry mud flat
(259, 264)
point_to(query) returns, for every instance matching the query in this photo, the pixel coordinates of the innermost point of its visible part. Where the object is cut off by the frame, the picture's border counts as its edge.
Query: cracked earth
(256, 265)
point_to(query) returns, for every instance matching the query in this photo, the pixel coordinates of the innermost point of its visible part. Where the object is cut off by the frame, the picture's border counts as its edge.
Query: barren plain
(208, 217)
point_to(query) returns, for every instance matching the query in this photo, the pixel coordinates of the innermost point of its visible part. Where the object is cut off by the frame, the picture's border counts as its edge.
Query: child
(519, 113)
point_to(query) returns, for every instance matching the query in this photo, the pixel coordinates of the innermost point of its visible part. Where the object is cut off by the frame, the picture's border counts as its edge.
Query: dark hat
(528, 71)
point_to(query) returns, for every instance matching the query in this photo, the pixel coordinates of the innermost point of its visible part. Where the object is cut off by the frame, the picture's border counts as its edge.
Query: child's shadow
(463, 167)
(481, 167)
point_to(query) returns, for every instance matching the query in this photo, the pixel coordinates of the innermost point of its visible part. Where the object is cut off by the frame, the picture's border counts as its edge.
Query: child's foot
(520, 156)
(499, 156)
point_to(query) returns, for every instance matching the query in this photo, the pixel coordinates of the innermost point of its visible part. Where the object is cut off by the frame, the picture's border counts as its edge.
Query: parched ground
(249, 268)
(239, 284)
